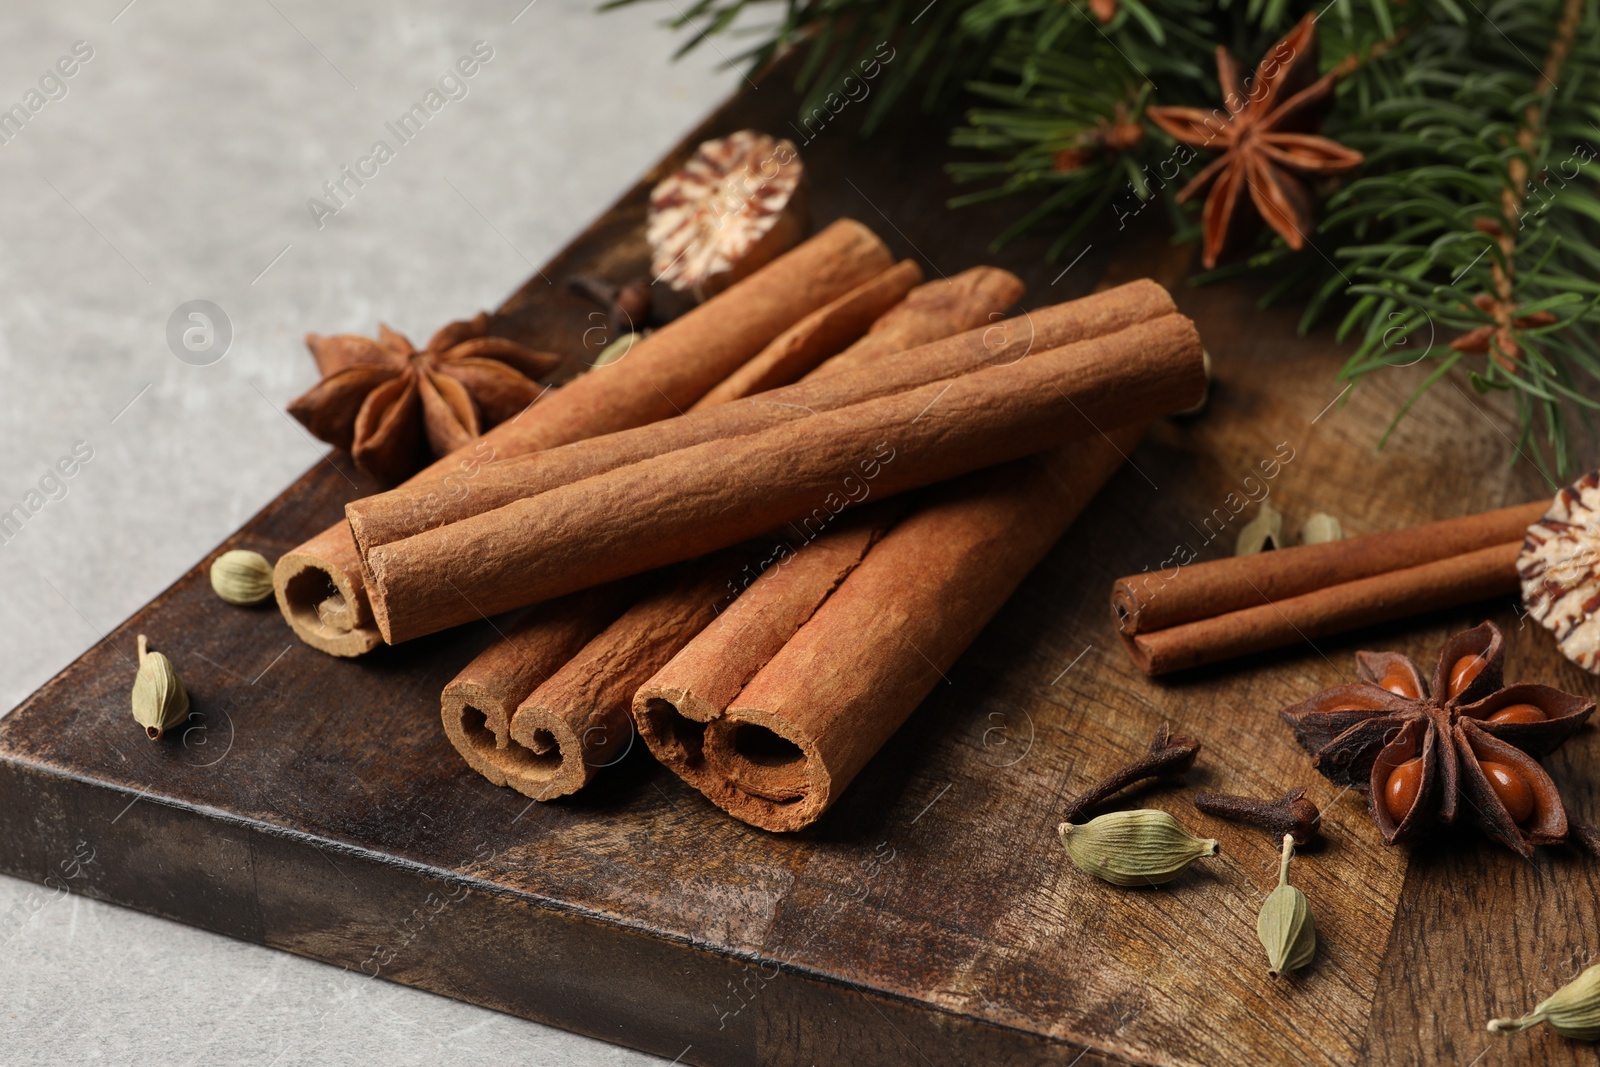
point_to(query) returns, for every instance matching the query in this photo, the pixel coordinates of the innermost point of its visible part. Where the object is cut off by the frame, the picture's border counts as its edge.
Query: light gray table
(175, 164)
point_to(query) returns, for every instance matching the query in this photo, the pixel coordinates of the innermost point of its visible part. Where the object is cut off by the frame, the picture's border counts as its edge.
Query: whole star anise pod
(1420, 750)
(1264, 133)
(393, 408)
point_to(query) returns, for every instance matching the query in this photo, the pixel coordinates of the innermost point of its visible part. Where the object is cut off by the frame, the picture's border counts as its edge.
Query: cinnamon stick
(571, 726)
(1442, 583)
(823, 333)
(980, 297)
(1155, 600)
(319, 585)
(774, 709)
(478, 704)
(578, 720)
(686, 503)
(875, 367)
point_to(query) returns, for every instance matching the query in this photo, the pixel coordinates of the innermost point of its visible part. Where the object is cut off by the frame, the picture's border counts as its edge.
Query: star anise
(1265, 134)
(1473, 740)
(393, 407)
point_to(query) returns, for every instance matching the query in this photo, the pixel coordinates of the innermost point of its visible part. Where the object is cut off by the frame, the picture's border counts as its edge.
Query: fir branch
(1466, 240)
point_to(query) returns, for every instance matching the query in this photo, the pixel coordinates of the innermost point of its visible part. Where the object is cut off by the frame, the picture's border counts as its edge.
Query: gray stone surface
(177, 166)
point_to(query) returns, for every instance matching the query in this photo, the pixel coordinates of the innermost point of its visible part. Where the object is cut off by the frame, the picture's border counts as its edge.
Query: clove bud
(1290, 814)
(1170, 755)
(626, 305)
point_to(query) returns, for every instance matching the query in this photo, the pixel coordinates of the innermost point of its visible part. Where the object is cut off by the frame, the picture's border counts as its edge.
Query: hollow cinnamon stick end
(323, 603)
(476, 722)
(1143, 655)
(546, 758)
(1126, 605)
(769, 773)
(672, 723)
(377, 596)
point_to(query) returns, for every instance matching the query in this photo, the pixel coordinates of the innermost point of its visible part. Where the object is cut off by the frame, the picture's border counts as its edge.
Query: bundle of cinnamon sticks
(764, 578)
(1188, 616)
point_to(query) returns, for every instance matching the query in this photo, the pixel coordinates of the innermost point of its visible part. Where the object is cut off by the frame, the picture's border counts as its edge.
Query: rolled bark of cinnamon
(1442, 583)
(319, 585)
(478, 704)
(570, 726)
(579, 720)
(1154, 600)
(911, 348)
(979, 297)
(698, 499)
(779, 703)
(824, 333)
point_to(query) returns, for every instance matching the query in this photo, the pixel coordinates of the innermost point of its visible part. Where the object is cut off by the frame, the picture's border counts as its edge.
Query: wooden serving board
(314, 804)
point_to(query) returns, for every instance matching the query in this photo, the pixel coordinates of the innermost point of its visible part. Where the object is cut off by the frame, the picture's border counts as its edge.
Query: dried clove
(627, 305)
(1170, 755)
(1290, 814)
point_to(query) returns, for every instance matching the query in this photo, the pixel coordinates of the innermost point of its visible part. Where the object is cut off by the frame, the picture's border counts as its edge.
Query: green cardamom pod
(159, 699)
(1321, 528)
(1262, 533)
(616, 349)
(242, 577)
(1285, 926)
(1128, 848)
(1572, 1011)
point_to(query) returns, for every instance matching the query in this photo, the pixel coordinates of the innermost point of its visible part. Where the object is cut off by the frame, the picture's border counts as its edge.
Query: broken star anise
(393, 408)
(1111, 137)
(1501, 331)
(1264, 131)
(1422, 750)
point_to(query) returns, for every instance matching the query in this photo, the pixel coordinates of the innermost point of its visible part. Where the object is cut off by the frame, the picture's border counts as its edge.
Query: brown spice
(548, 731)
(662, 376)
(1420, 757)
(626, 305)
(1265, 140)
(1289, 814)
(577, 722)
(937, 333)
(1155, 600)
(394, 408)
(478, 704)
(713, 495)
(1170, 756)
(822, 334)
(1382, 598)
(736, 203)
(781, 702)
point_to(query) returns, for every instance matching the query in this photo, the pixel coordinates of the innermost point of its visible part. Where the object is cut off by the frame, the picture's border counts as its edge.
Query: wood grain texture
(314, 805)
